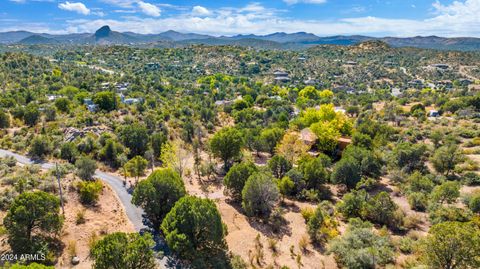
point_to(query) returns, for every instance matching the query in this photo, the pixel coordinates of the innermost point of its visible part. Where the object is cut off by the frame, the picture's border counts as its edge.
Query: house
(310, 82)
(351, 63)
(343, 142)
(340, 110)
(87, 101)
(52, 97)
(465, 82)
(433, 113)
(396, 92)
(152, 66)
(474, 87)
(223, 102)
(389, 64)
(444, 84)
(440, 66)
(281, 76)
(416, 83)
(131, 101)
(92, 108)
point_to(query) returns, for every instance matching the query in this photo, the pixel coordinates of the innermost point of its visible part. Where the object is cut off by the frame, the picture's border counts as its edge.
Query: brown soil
(106, 217)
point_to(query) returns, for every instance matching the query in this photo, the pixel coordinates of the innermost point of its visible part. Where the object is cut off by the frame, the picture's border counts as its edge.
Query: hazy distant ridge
(105, 36)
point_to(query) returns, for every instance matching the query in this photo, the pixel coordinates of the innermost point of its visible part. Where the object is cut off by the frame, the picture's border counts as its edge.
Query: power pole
(59, 188)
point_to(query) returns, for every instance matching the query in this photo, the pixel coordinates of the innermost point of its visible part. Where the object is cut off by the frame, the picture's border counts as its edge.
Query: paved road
(133, 213)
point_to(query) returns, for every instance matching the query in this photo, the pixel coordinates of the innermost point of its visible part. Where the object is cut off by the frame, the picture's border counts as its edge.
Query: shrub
(360, 247)
(439, 213)
(471, 178)
(85, 167)
(448, 192)
(418, 201)
(473, 202)
(259, 195)
(89, 191)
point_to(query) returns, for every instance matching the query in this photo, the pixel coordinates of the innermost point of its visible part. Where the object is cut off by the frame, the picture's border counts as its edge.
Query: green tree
(110, 152)
(124, 251)
(136, 167)
(270, 138)
(4, 120)
(452, 245)
(31, 217)
(68, 152)
(315, 223)
(408, 157)
(259, 195)
(158, 194)
(135, 137)
(286, 186)
(381, 209)
(314, 171)
(279, 166)
(63, 104)
(448, 192)
(157, 140)
(40, 147)
(346, 171)
(446, 158)
(105, 100)
(85, 167)
(353, 204)
(194, 230)
(237, 176)
(226, 145)
(31, 114)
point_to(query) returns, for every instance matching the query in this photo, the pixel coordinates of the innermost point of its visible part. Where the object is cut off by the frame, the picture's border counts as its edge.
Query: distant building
(281, 76)
(52, 97)
(310, 82)
(92, 108)
(433, 113)
(440, 66)
(396, 92)
(416, 83)
(87, 101)
(152, 66)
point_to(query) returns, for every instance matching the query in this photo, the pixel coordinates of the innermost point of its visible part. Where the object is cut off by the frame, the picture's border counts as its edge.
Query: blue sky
(229, 17)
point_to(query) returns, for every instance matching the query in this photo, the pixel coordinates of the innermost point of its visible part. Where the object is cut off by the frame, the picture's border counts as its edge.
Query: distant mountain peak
(103, 32)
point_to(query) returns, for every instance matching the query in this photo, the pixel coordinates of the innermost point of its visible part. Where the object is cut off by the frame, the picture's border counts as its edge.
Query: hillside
(300, 40)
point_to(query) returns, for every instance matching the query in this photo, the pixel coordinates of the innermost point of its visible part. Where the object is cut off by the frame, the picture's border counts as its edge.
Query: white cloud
(149, 9)
(293, 2)
(120, 3)
(76, 7)
(200, 11)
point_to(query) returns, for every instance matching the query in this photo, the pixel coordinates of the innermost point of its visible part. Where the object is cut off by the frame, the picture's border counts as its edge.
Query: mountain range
(105, 36)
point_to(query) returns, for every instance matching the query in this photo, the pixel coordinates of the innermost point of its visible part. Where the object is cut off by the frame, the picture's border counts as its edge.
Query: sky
(399, 18)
